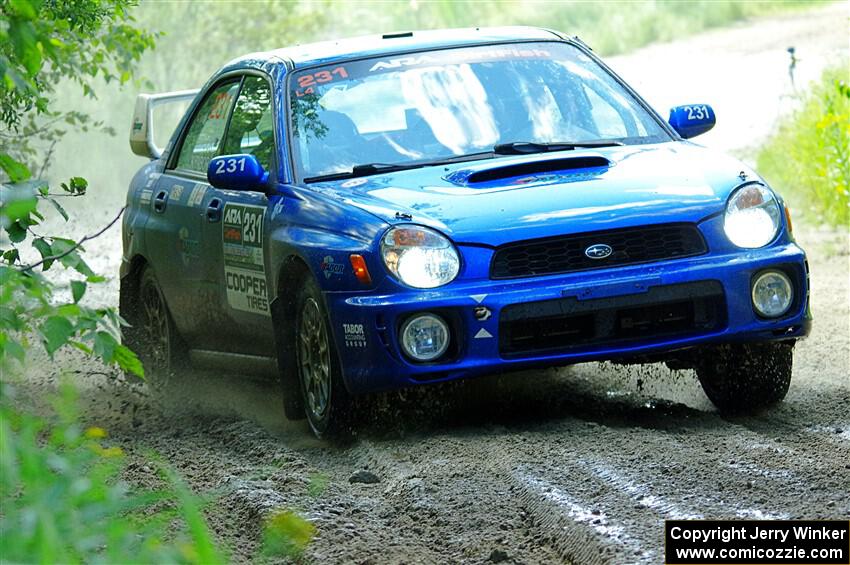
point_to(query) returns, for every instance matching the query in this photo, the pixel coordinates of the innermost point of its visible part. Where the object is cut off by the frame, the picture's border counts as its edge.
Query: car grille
(566, 254)
(564, 324)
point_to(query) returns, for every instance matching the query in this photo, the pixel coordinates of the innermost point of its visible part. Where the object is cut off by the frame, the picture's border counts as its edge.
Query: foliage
(45, 42)
(40, 44)
(63, 501)
(286, 534)
(808, 159)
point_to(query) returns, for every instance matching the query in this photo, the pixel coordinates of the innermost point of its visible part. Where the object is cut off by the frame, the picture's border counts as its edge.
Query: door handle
(214, 210)
(160, 200)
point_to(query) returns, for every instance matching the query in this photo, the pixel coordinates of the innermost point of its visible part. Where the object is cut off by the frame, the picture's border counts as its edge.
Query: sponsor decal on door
(244, 266)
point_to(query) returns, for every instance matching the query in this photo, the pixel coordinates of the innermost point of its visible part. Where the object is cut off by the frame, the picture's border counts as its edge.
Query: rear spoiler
(141, 134)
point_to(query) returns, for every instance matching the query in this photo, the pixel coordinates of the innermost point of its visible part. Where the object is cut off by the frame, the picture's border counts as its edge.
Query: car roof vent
(535, 167)
(397, 34)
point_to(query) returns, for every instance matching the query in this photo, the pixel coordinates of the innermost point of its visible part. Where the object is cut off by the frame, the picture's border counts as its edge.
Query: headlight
(752, 216)
(419, 257)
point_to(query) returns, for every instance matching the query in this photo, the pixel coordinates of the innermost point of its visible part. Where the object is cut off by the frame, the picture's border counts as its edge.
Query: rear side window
(252, 126)
(205, 134)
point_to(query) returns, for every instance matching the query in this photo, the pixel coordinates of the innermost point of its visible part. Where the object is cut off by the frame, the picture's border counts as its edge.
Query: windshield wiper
(378, 168)
(529, 147)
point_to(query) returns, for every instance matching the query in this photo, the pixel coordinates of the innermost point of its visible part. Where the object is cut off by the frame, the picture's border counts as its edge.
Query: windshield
(435, 105)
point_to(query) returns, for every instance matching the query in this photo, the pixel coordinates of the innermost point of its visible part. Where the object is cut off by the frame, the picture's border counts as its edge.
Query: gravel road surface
(572, 465)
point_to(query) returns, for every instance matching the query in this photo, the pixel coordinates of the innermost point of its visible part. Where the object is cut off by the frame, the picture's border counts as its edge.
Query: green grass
(808, 159)
(62, 499)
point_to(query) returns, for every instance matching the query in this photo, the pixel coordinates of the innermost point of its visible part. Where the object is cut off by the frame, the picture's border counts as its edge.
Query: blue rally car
(368, 214)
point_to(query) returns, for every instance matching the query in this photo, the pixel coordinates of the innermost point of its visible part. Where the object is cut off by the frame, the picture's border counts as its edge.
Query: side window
(203, 139)
(252, 126)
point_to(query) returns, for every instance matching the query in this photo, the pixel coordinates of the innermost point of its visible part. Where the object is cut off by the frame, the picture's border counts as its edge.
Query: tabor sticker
(244, 265)
(354, 335)
(197, 195)
(145, 197)
(176, 192)
(331, 267)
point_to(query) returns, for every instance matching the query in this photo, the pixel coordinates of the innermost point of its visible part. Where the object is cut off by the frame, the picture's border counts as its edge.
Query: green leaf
(17, 233)
(78, 289)
(25, 46)
(18, 208)
(128, 361)
(46, 251)
(16, 170)
(81, 346)
(59, 208)
(56, 331)
(79, 185)
(69, 310)
(14, 350)
(286, 534)
(23, 9)
(104, 346)
(11, 256)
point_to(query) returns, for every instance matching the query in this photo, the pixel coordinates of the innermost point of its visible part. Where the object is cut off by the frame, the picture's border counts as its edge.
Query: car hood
(496, 201)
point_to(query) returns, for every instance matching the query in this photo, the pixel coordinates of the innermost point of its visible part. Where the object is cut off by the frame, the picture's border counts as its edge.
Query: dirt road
(580, 464)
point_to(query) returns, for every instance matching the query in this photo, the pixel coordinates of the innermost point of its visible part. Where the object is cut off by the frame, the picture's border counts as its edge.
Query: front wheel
(327, 402)
(746, 377)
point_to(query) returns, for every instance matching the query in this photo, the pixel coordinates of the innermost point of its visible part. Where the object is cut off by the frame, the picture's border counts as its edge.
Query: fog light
(772, 294)
(425, 337)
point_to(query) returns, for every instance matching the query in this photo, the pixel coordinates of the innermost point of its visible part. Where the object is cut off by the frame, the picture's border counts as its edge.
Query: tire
(152, 333)
(744, 378)
(327, 403)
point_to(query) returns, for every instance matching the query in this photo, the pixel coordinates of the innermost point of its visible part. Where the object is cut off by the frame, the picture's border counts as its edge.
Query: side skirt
(238, 363)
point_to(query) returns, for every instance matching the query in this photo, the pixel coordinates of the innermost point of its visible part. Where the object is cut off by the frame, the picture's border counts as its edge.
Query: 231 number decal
(230, 165)
(697, 112)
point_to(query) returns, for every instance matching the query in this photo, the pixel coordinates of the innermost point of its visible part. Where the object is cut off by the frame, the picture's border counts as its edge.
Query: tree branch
(76, 246)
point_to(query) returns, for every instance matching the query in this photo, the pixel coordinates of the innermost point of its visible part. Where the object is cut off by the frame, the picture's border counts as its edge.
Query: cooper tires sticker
(244, 266)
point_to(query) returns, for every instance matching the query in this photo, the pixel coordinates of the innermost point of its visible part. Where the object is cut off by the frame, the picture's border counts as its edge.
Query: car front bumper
(555, 320)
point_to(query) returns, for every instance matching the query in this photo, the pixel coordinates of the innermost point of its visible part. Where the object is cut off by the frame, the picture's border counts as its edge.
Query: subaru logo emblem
(598, 251)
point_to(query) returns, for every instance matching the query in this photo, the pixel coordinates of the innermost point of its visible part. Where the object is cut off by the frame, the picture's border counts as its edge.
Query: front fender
(323, 232)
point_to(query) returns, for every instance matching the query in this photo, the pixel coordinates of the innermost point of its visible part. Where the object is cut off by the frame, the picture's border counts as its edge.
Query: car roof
(324, 52)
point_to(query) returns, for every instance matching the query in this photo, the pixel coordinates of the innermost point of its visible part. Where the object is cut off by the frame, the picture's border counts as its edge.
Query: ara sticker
(197, 194)
(176, 192)
(354, 335)
(244, 265)
(330, 267)
(145, 197)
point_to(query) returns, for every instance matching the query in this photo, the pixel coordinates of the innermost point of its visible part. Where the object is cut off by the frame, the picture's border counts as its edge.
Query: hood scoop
(526, 168)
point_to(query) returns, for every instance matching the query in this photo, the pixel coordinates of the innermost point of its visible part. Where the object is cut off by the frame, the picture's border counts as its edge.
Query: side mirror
(237, 172)
(692, 120)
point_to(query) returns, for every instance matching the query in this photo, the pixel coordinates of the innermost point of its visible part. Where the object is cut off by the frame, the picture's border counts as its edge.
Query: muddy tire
(152, 333)
(327, 403)
(746, 377)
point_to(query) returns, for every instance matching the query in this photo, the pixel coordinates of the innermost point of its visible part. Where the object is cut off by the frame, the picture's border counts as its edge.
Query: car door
(234, 232)
(178, 215)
